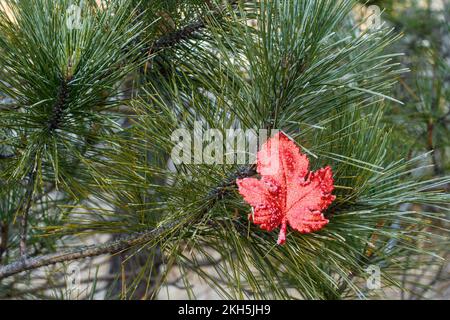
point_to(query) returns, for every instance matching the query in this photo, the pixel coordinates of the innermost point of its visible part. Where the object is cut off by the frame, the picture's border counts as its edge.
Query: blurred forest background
(423, 122)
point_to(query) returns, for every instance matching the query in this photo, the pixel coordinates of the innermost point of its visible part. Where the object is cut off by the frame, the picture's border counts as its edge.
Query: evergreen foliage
(86, 119)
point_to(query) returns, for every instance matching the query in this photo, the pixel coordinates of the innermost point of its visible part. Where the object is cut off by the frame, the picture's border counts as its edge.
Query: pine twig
(187, 32)
(24, 210)
(112, 247)
(119, 245)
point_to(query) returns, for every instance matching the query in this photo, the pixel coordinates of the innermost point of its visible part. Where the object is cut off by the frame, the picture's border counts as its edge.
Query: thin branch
(112, 247)
(177, 36)
(4, 231)
(122, 244)
(187, 32)
(24, 210)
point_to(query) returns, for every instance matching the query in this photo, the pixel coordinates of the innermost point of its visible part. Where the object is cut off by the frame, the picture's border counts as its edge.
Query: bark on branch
(111, 247)
(187, 32)
(122, 244)
(24, 210)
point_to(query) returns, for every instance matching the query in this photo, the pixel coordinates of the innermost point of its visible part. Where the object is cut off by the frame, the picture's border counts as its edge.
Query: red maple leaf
(287, 191)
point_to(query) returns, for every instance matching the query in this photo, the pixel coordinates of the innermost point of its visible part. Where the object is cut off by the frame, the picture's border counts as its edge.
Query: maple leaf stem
(282, 235)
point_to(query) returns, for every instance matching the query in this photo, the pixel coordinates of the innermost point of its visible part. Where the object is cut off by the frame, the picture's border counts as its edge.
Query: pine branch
(187, 32)
(122, 244)
(177, 36)
(112, 247)
(24, 210)
(4, 231)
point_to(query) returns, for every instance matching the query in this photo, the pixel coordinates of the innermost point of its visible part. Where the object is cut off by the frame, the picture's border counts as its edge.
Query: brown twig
(122, 244)
(187, 32)
(24, 211)
(112, 247)
(4, 233)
